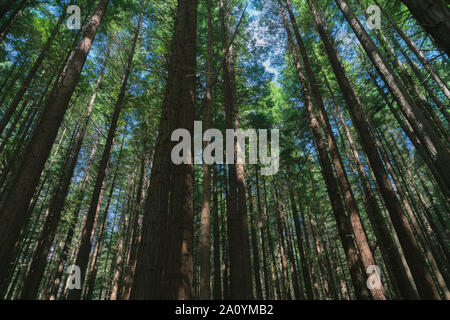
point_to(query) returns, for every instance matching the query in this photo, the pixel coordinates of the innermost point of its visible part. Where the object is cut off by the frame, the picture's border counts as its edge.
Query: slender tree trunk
(205, 237)
(305, 267)
(255, 251)
(217, 292)
(262, 239)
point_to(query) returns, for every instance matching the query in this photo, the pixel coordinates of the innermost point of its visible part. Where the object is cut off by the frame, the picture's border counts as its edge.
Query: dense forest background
(359, 208)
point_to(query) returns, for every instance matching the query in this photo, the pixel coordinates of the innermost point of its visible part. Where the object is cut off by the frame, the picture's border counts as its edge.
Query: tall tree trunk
(240, 278)
(177, 112)
(205, 237)
(217, 292)
(255, 251)
(265, 260)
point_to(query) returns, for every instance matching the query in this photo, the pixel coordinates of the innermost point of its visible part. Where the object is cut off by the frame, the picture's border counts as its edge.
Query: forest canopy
(339, 191)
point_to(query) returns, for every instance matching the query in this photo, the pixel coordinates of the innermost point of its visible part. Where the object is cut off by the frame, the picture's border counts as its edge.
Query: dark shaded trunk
(434, 17)
(240, 265)
(154, 278)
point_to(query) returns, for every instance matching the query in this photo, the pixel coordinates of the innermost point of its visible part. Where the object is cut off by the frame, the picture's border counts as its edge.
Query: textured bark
(15, 203)
(177, 112)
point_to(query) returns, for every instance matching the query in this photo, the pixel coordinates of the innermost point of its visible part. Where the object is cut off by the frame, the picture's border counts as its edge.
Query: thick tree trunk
(434, 17)
(177, 112)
